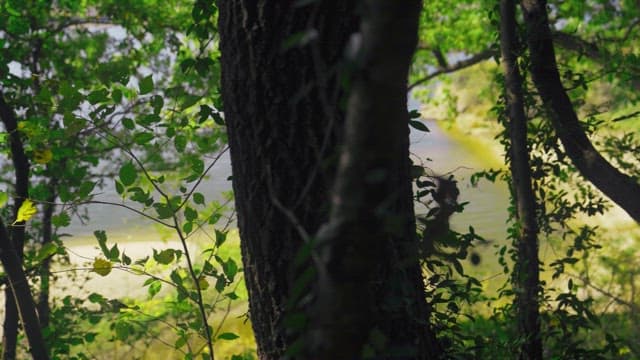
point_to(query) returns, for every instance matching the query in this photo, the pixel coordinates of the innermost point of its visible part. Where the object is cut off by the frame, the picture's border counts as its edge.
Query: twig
(474, 59)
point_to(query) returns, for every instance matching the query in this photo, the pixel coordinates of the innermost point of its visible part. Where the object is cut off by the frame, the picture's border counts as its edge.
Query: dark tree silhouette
(284, 80)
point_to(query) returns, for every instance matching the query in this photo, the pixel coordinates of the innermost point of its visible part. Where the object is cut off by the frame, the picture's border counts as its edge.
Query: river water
(487, 202)
(440, 153)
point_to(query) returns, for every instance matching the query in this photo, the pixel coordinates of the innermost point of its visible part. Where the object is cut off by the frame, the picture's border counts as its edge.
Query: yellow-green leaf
(203, 283)
(4, 197)
(102, 266)
(42, 156)
(47, 250)
(164, 257)
(26, 211)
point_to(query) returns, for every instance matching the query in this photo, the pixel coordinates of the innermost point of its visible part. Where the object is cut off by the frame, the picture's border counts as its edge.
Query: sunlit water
(487, 202)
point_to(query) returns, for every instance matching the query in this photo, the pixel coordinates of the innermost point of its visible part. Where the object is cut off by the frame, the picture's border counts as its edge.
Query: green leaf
(119, 187)
(146, 85)
(17, 25)
(85, 189)
(114, 253)
(228, 336)
(190, 214)
(154, 288)
(214, 218)
(221, 283)
(164, 257)
(142, 138)
(164, 211)
(44, 96)
(180, 142)
(180, 342)
(71, 97)
(43, 156)
(128, 124)
(232, 296)
(203, 65)
(418, 125)
(125, 259)
(218, 118)
(61, 220)
(122, 330)
(4, 197)
(101, 266)
(46, 251)
(188, 101)
(157, 102)
(98, 96)
(116, 95)
(148, 119)
(204, 113)
(90, 337)
(186, 64)
(187, 227)
(414, 114)
(198, 198)
(197, 168)
(139, 195)
(221, 237)
(96, 298)
(128, 174)
(94, 318)
(230, 269)
(203, 283)
(176, 278)
(101, 236)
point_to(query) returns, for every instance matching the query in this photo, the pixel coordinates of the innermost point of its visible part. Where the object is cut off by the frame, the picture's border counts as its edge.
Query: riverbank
(479, 135)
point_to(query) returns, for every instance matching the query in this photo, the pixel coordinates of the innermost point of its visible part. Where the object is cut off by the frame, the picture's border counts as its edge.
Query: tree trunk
(619, 187)
(282, 108)
(372, 300)
(19, 302)
(44, 308)
(21, 294)
(10, 325)
(284, 72)
(526, 274)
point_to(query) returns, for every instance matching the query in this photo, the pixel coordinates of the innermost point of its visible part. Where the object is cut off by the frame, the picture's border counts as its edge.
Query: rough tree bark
(372, 286)
(281, 105)
(526, 276)
(621, 188)
(282, 85)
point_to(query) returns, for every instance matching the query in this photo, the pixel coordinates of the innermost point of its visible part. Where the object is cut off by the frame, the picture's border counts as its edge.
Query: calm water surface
(486, 210)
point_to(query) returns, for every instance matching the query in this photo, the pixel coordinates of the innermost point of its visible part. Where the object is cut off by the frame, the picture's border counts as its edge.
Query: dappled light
(313, 179)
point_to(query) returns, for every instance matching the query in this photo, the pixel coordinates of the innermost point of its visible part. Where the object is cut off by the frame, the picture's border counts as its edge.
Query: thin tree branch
(567, 41)
(526, 274)
(472, 60)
